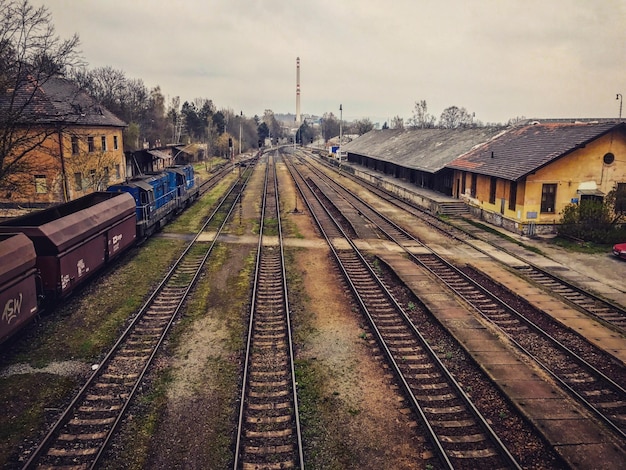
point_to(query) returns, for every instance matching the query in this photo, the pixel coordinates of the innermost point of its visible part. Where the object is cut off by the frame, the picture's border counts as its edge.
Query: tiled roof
(59, 100)
(522, 150)
(428, 150)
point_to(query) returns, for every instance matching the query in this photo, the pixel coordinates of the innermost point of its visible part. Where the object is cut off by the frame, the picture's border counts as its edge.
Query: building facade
(69, 146)
(519, 177)
(523, 179)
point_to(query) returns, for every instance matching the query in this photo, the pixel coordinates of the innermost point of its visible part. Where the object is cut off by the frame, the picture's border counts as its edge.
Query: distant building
(79, 147)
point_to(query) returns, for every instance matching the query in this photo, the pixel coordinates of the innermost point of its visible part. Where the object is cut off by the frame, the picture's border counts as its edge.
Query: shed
(418, 156)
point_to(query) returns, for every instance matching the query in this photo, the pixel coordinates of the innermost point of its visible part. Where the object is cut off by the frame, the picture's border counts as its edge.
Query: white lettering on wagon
(80, 267)
(116, 242)
(65, 281)
(12, 309)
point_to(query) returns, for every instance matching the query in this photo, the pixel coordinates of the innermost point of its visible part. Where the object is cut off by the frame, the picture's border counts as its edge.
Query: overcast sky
(497, 58)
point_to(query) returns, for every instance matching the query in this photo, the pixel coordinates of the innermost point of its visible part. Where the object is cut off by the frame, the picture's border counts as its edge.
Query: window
(463, 176)
(115, 146)
(41, 186)
(548, 198)
(90, 144)
(106, 176)
(78, 181)
(75, 148)
(492, 190)
(103, 140)
(474, 184)
(117, 171)
(92, 177)
(513, 195)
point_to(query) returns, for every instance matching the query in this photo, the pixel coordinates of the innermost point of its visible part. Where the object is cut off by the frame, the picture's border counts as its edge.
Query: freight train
(46, 255)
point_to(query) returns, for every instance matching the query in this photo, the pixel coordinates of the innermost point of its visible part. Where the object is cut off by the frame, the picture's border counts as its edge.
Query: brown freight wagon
(18, 283)
(75, 239)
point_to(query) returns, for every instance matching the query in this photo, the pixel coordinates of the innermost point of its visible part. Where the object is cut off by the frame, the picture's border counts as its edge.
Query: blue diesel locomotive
(159, 196)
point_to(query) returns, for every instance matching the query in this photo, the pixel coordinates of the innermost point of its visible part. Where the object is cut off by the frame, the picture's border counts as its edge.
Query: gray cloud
(499, 59)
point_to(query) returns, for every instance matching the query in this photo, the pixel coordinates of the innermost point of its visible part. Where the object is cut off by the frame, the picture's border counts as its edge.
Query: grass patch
(81, 329)
(270, 227)
(226, 300)
(298, 298)
(195, 216)
(143, 428)
(321, 416)
(91, 321)
(22, 396)
(581, 247)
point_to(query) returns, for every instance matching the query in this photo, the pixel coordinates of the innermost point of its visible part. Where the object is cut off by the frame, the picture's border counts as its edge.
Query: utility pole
(240, 119)
(340, 132)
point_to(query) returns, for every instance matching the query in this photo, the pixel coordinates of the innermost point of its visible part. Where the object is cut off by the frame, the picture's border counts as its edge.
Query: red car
(619, 250)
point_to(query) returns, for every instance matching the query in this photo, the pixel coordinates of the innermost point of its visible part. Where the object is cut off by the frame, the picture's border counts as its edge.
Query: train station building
(520, 177)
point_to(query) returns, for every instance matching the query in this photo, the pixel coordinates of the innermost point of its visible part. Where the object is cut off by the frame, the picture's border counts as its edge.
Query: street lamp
(240, 119)
(340, 132)
(619, 97)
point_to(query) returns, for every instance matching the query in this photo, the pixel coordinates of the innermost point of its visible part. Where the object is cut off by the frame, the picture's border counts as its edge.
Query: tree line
(32, 52)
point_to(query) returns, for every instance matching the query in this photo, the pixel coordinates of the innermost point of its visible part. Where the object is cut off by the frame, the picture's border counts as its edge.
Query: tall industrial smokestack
(298, 118)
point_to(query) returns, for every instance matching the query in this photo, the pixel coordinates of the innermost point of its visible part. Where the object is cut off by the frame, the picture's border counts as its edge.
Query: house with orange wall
(523, 178)
(75, 148)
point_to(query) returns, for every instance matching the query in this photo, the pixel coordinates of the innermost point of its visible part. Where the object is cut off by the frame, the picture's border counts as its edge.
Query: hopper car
(46, 255)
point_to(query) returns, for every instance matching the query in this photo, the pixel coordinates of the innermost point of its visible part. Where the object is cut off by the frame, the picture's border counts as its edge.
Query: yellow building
(523, 178)
(70, 146)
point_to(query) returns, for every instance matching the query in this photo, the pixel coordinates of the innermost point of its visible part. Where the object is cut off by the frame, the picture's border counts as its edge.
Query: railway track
(460, 435)
(605, 311)
(214, 179)
(268, 431)
(601, 394)
(605, 396)
(80, 436)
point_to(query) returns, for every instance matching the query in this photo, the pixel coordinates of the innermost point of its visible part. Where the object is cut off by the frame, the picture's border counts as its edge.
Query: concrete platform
(603, 338)
(575, 434)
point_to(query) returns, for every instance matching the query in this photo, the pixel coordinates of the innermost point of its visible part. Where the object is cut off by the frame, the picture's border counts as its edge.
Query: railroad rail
(80, 436)
(460, 435)
(215, 178)
(601, 394)
(605, 311)
(268, 431)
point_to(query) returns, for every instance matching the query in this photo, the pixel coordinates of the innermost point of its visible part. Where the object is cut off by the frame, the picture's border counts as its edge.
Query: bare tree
(329, 126)
(157, 128)
(30, 54)
(397, 122)
(127, 98)
(362, 126)
(421, 119)
(516, 120)
(276, 130)
(455, 117)
(92, 171)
